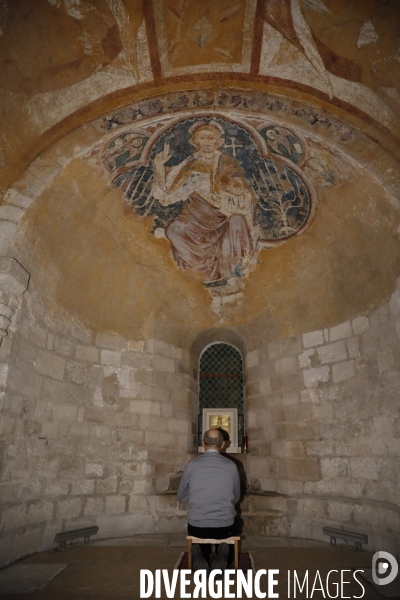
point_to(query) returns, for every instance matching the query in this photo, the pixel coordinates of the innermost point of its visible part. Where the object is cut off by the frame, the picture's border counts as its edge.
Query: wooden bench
(64, 536)
(231, 540)
(352, 536)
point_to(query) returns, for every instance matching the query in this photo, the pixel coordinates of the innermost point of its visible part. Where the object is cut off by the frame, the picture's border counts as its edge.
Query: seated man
(211, 485)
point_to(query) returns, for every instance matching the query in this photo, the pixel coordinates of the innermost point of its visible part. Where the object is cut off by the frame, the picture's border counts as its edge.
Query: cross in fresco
(233, 146)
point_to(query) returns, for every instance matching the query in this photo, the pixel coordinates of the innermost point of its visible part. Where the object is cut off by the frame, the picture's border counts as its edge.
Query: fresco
(218, 190)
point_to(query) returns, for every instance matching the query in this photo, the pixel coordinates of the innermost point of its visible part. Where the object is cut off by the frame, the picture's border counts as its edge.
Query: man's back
(211, 485)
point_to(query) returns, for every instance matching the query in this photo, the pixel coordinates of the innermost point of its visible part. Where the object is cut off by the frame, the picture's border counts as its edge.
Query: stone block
(305, 358)
(126, 487)
(26, 543)
(13, 517)
(178, 426)
(38, 336)
(313, 376)
(297, 431)
(50, 341)
(94, 506)
(334, 467)
(97, 432)
(260, 371)
(163, 363)
(265, 386)
(360, 325)
(146, 407)
(87, 353)
(110, 357)
(322, 412)
(176, 352)
(289, 488)
(142, 486)
(332, 353)
(155, 392)
(80, 488)
(343, 371)
(292, 397)
(302, 469)
(301, 528)
(9, 212)
(112, 341)
(69, 509)
(353, 346)
(341, 331)
(13, 196)
(379, 316)
(364, 468)
(388, 336)
(286, 365)
(153, 423)
(65, 412)
(157, 347)
(182, 366)
(138, 360)
(311, 508)
(253, 389)
(286, 448)
(314, 338)
(334, 487)
(163, 439)
(40, 511)
(377, 517)
(386, 361)
(263, 467)
(338, 511)
(252, 358)
(392, 379)
(63, 345)
(43, 409)
(107, 486)
(291, 346)
(55, 487)
(50, 365)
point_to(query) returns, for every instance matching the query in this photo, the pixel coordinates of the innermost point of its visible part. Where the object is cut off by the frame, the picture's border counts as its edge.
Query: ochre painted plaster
(95, 259)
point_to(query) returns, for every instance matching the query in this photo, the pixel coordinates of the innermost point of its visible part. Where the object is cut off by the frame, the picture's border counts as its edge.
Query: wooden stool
(231, 540)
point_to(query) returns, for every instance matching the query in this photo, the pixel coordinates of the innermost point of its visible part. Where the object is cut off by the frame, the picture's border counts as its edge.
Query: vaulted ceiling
(66, 61)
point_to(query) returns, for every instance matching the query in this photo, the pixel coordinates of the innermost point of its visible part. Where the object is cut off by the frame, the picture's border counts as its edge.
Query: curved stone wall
(99, 368)
(323, 428)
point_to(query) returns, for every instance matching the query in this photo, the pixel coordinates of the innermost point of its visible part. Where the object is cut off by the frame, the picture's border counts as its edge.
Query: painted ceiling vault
(64, 60)
(238, 155)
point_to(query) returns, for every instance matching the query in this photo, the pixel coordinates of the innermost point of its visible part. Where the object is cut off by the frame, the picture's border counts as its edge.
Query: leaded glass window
(221, 381)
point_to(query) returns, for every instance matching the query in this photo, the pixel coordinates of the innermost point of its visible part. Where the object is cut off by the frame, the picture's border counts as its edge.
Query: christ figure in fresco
(216, 231)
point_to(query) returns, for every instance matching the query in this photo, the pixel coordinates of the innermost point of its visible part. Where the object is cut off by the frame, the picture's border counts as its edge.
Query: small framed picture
(225, 419)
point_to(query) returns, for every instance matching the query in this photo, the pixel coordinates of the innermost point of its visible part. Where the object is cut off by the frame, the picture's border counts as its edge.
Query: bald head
(213, 439)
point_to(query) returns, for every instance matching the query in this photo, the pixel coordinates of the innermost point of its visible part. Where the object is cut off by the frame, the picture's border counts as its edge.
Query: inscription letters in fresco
(217, 192)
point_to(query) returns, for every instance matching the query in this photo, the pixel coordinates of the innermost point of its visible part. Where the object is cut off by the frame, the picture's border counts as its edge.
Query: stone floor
(110, 568)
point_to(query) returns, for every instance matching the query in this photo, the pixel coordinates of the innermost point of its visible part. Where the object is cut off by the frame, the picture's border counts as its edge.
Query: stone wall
(91, 429)
(96, 429)
(324, 428)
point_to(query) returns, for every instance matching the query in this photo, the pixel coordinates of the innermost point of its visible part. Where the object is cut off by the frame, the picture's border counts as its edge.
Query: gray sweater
(211, 485)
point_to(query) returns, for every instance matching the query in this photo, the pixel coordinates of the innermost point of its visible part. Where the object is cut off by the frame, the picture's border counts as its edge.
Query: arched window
(221, 382)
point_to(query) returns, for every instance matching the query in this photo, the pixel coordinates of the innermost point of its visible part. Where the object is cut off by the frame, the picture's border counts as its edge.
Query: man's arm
(183, 489)
(237, 485)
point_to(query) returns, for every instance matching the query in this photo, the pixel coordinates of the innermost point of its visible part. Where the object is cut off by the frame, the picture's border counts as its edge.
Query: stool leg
(236, 554)
(189, 554)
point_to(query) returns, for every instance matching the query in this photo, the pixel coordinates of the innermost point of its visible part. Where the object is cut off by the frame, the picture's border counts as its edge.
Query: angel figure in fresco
(216, 231)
